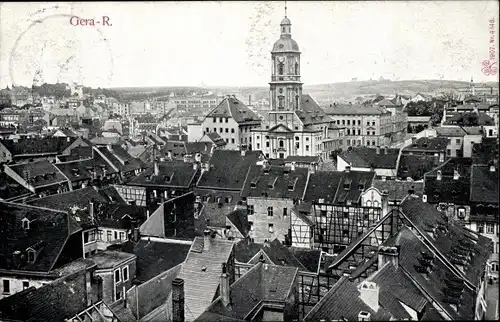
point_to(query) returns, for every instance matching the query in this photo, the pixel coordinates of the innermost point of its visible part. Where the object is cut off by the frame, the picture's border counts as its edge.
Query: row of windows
(270, 211)
(6, 286)
(348, 122)
(207, 130)
(359, 142)
(490, 228)
(121, 275)
(221, 120)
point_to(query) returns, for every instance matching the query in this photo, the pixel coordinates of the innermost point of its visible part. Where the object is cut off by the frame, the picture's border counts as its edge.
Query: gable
(280, 128)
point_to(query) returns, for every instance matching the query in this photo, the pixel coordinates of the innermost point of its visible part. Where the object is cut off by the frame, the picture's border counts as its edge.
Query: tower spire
(285, 9)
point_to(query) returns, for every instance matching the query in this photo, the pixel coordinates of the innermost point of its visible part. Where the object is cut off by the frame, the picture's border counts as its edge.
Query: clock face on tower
(281, 59)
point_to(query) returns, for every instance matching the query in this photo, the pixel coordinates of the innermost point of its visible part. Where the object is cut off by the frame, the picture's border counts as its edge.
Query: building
(270, 193)
(295, 124)
(423, 155)
(460, 139)
(383, 161)
(364, 126)
(232, 121)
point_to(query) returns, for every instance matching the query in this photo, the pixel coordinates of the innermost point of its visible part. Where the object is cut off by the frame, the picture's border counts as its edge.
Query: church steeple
(286, 26)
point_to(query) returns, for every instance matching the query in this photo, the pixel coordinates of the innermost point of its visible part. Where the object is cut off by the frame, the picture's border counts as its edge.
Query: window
(232, 130)
(250, 209)
(207, 130)
(227, 130)
(6, 286)
(458, 141)
(490, 228)
(270, 211)
(267, 144)
(367, 123)
(285, 212)
(109, 235)
(99, 234)
(221, 130)
(250, 223)
(117, 276)
(307, 147)
(480, 227)
(258, 146)
(494, 267)
(215, 120)
(122, 236)
(359, 122)
(348, 131)
(26, 284)
(373, 123)
(116, 235)
(498, 248)
(125, 273)
(215, 129)
(227, 120)
(348, 122)
(271, 228)
(280, 67)
(281, 143)
(461, 213)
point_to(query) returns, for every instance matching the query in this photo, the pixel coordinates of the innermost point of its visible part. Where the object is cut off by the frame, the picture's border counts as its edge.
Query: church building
(294, 125)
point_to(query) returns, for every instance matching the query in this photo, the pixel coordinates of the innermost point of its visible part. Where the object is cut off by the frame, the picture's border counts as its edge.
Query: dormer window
(26, 223)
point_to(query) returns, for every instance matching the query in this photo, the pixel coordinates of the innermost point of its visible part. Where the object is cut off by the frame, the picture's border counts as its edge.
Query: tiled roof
(323, 185)
(239, 218)
(201, 273)
(343, 301)
(310, 112)
(275, 182)
(396, 287)
(233, 107)
(40, 173)
(171, 174)
(485, 152)
(263, 282)
(79, 198)
(228, 169)
(9, 188)
(214, 214)
(56, 301)
(129, 163)
(397, 189)
(352, 184)
(216, 138)
(416, 166)
(82, 169)
(354, 110)
(449, 189)
(111, 215)
(52, 145)
(429, 144)
(459, 118)
(310, 259)
(48, 229)
(363, 157)
(302, 159)
(450, 239)
(154, 257)
(484, 185)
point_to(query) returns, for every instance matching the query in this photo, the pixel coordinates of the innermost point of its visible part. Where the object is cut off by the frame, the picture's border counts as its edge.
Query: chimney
(293, 165)
(148, 214)
(156, 169)
(348, 168)
(439, 175)
(411, 191)
(178, 300)
(369, 293)
(68, 139)
(224, 286)
(388, 254)
(386, 149)
(456, 175)
(492, 168)
(243, 152)
(364, 316)
(441, 157)
(195, 166)
(207, 239)
(378, 150)
(312, 167)
(109, 147)
(136, 234)
(207, 166)
(197, 157)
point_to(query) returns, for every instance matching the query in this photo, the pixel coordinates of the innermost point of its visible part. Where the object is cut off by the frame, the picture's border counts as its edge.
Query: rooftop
(39, 174)
(50, 145)
(310, 112)
(397, 189)
(379, 158)
(228, 169)
(46, 232)
(109, 259)
(438, 144)
(454, 184)
(170, 174)
(10, 188)
(234, 108)
(275, 182)
(354, 109)
(416, 166)
(484, 184)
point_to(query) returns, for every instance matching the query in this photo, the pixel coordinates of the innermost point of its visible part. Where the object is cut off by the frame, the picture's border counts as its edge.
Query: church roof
(310, 112)
(285, 21)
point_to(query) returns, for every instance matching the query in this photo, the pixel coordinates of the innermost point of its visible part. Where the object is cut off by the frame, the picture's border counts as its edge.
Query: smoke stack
(348, 169)
(207, 239)
(293, 165)
(456, 175)
(136, 234)
(492, 168)
(439, 175)
(224, 286)
(386, 150)
(388, 254)
(243, 152)
(197, 157)
(178, 300)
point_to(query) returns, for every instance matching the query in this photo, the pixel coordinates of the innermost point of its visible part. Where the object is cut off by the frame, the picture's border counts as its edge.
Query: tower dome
(285, 43)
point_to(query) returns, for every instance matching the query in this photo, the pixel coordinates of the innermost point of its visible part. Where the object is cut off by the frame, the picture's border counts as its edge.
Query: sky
(229, 43)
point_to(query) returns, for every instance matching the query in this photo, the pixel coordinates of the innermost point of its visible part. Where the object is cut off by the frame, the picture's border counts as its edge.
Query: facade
(295, 124)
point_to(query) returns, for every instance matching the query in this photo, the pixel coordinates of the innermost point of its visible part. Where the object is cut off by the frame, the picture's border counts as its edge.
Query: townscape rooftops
(485, 152)
(232, 107)
(228, 169)
(171, 174)
(449, 188)
(56, 301)
(310, 112)
(397, 189)
(10, 188)
(201, 272)
(46, 232)
(216, 139)
(39, 173)
(484, 185)
(458, 118)
(275, 182)
(364, 157)
(416, 166)
(343, 301)
(450, 239)
(263, 282)
(355, 109)
(428, 144)
(50, 145)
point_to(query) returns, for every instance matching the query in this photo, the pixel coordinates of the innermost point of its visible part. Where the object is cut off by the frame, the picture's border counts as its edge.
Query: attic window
(254, 182)
(347, 185)
(266, 170)
(291, 184)
(361, 186)
(272, 183)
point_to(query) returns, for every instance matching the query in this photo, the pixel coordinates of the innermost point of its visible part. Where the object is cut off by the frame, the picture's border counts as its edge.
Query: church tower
(285, 86)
